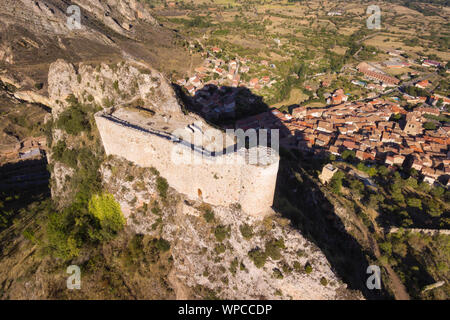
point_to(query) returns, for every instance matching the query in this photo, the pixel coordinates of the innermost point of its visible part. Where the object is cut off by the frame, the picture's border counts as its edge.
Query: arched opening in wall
(200, 194)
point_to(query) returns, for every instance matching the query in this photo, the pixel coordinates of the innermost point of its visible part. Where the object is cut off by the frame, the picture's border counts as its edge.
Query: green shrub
(74, 120)
(156, 209)
(323, 281)
(162, 186)
(107, 210)
(297, 266)
(233, 266)
(429, 126)
(258, 257)
(273, 248)
(246, 231)
(220, 248)
(222, 232)
(61, 153)
(108, 103)
(277, 274)
(154, 171)
(163, 245)
(116, 86)
(308, 268)
(209, 216)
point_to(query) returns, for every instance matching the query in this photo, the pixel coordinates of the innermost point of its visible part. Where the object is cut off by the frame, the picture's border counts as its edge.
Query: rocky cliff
(109, 85)
(221, 251)
(215, 251)
(36, 33)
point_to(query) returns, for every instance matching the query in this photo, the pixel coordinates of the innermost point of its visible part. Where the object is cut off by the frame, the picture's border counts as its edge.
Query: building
(431, 63)
(372, 73)
(328, 172)
(413, 128)
(190, 165)
(423, 84)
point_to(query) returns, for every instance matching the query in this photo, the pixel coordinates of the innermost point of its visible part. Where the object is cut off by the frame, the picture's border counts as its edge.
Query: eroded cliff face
(109, 85)
(35, 33)
(212, 247)
(50, 16)
(119, 15)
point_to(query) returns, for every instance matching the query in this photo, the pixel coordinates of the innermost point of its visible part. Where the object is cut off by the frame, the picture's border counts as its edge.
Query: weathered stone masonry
(212, 179)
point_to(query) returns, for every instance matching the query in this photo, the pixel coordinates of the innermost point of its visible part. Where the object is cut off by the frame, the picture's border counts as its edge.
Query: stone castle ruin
(200, 171)
(144, 123)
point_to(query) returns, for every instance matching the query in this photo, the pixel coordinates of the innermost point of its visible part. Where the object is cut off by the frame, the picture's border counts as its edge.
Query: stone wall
(418, 230)
(218, 180)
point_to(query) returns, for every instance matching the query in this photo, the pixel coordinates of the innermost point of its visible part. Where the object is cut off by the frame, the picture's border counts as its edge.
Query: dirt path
(397, 286)
(400, 292)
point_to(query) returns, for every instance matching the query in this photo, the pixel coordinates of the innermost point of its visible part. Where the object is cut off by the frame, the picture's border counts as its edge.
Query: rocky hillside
(170, 247)
(126, 83)
(35, 34)
(222, 251)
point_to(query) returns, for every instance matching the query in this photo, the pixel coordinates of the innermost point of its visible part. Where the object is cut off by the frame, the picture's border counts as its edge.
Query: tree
(357, 186)
(429, 126)
(375, 199)
(336, 182)
(74, 119)
(433, 208)
(258, 257)
(411, 182)
(107, 210)
(383, 171)
(414, 203)
(348, 154)
(437, 192)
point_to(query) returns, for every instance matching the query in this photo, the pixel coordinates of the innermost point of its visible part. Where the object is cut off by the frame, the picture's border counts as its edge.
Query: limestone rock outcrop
(110, 85)
(224, 266)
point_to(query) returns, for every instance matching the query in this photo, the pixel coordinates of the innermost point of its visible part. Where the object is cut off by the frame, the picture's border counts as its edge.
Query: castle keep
(217, 179)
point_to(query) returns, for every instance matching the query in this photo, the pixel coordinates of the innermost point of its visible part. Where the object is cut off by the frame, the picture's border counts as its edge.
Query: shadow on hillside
(21, 184)
(216, 104)
(298, 199)
(28, 176)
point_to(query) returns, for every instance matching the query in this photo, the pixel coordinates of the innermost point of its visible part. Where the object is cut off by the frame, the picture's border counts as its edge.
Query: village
(366, 129)
(375, 128)
(217, 83)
